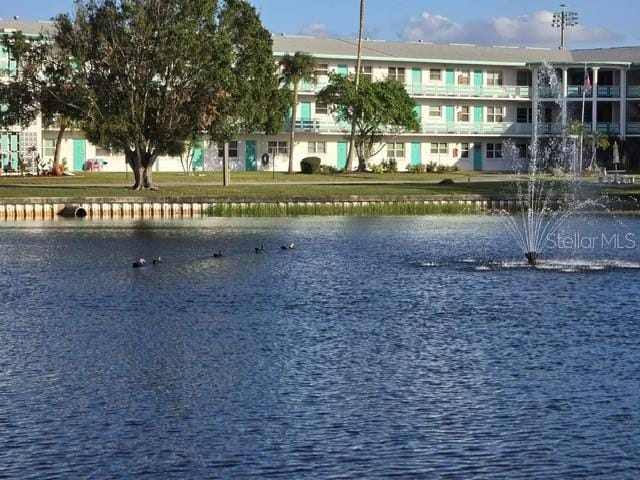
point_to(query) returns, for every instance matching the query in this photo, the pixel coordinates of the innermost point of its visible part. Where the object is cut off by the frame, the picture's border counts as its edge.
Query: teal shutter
(4, 60)
(14, 147)
(5, 150)
(343, 70)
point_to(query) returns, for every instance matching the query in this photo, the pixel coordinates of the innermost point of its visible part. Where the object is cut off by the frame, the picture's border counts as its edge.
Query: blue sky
(485, 22)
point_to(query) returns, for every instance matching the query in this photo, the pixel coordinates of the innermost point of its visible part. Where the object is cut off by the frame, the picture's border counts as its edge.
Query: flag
(586, 86)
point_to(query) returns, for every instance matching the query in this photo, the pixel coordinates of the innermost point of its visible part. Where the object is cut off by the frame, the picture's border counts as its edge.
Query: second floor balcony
(318, 125)
(422, 90)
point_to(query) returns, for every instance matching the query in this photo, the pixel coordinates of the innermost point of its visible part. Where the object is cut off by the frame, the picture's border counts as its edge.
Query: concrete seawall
(108, 208)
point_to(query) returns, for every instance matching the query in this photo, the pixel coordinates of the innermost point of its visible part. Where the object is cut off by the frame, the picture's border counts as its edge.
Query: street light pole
(562, 20)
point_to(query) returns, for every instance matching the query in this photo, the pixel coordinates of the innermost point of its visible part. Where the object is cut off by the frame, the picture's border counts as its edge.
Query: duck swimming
(157, 261)
(141, 262)
(291, 246)
(259, 249)
(218, 255)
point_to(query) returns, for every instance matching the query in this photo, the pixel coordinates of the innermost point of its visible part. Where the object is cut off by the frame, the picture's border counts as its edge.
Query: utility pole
(349, 165)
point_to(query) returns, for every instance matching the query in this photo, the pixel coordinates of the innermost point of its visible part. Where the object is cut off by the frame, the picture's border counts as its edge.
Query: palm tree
(296, 68)
(595, 140)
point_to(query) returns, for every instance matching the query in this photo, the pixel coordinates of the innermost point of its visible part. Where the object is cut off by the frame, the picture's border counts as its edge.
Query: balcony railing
(633, 128)
(633, 91)
(608, 91)
(494, 128)
(469, 128)
(306, 87)
(549, 128)
(468, 91)
(545, 91)
(607, 127)
(320, 126)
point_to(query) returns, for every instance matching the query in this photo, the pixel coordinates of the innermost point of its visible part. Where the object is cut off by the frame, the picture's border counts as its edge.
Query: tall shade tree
(380, 110)
(254, 101)
(159, 73)
(296, 68)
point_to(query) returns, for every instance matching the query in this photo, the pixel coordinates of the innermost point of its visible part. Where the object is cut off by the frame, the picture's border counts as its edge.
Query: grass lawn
(261, 186)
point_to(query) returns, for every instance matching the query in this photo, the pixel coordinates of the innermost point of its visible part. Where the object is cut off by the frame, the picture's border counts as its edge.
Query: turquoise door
(250, 156)
(198, 157)
(416, 154)
(79, 153)
(478, 80)
(305, 115)
(417, 109)
(478, 118)
(342, 155)
(477, 157)
(416, 81)
(450, 77)
(343, 70)
(450, 117)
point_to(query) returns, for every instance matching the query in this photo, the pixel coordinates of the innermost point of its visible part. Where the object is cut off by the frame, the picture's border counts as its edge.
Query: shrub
(310, 165)
(432, 167)
(328, 170)
(446, 181)
(390, 166)
(375, 167)
(416, 168)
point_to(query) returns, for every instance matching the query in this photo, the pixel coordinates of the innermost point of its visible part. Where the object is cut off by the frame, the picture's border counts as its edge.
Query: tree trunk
(141, 164)
(56, 168)
(293, 126)
(225, 166)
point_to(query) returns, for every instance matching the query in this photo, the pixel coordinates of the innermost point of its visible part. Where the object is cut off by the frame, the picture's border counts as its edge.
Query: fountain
(544, 202)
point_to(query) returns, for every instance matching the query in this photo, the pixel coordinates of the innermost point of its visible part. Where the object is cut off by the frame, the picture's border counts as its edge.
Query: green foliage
(375, 168)
(159, 73)
(380, 110)
(420, 168)
(389, 166)
(296, 68)
(328, 170)
(310, 165)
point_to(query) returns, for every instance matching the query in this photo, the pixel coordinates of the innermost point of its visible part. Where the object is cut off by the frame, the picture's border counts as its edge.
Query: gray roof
(25, 26)
(616, 54)
(422, 52)
(406, 51)
(449, 53)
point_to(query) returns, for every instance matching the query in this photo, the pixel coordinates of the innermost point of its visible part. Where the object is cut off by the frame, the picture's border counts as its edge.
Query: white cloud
(526, 30)
(316, 30)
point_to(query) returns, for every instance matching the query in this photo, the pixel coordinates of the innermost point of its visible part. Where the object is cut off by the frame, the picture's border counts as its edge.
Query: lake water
(379, 348)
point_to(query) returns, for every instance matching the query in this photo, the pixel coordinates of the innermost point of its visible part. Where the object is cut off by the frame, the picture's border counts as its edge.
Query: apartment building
(472, 101)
